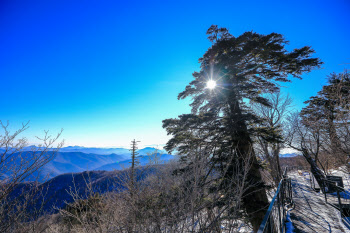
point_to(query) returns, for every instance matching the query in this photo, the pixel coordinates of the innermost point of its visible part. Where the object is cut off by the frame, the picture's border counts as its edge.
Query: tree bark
(276, 155)
(254, 199)
(316, 171)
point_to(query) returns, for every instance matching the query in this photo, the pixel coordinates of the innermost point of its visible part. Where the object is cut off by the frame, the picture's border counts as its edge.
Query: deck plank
(311, 213)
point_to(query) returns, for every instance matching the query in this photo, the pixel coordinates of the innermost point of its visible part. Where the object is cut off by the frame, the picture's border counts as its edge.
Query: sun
(211, 84)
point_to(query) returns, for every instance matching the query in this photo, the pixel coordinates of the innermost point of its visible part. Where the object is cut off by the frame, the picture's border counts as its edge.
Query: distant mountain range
(78, 159)
(70, 166)
(75, 166)
(71, 162)
(288, 155)
(57, 190)
(101, 151)
(74, 159)
(142, 160)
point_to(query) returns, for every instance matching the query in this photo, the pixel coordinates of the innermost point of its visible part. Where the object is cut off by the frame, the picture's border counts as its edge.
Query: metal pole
(324, 191)
(279, 209)
(339, 201)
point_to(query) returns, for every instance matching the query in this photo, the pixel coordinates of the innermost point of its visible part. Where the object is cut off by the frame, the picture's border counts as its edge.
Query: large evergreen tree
(330, 112)
(244, 68)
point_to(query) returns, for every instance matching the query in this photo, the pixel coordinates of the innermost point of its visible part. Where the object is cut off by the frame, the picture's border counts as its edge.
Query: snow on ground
(311, 213)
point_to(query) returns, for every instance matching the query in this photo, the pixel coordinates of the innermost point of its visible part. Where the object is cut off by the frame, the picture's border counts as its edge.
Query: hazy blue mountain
(57, 189)
(143, 160)
(70, 162)
(78, 159)
(100, 151)
(92, 150)
(64, 162)
(88, 161)
(59, 186)
(74, 159)
(288, 155)
(87, 150)
(108, 151)
(150, 150)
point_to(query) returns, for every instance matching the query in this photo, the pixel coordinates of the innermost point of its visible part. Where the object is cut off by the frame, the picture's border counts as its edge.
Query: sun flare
(211, 84)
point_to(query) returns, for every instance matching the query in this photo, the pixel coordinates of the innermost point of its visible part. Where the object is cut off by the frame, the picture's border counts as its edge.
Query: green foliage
(244, 68)
(330, 101)
(327, 116)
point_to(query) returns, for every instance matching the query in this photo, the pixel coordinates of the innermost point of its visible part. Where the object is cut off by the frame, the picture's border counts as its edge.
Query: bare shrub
(19, 206)
(270, 139)
(167, 198)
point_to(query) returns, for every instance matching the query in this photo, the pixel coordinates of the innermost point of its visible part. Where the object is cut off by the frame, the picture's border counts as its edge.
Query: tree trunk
(254, 199)
(276, 155)
(335, 144)
(273, 160)
(316, 171)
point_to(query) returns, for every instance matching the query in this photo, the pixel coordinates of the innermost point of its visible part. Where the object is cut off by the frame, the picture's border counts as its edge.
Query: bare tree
(17, 165)
(306, 137)
(162, 202)
(270, 139)
(337, 140)
(326, 117)
(134, 163)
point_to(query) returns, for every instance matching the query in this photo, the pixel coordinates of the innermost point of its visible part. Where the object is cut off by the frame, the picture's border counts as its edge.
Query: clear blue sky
(110, 71)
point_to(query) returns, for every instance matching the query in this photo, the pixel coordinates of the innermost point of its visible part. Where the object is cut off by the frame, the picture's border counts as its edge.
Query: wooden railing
(275, 217)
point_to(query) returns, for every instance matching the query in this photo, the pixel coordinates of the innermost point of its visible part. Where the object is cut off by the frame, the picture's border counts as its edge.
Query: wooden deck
(311, 213)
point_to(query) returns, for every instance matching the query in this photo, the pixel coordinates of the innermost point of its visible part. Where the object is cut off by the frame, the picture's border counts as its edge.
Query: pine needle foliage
(244, 69)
